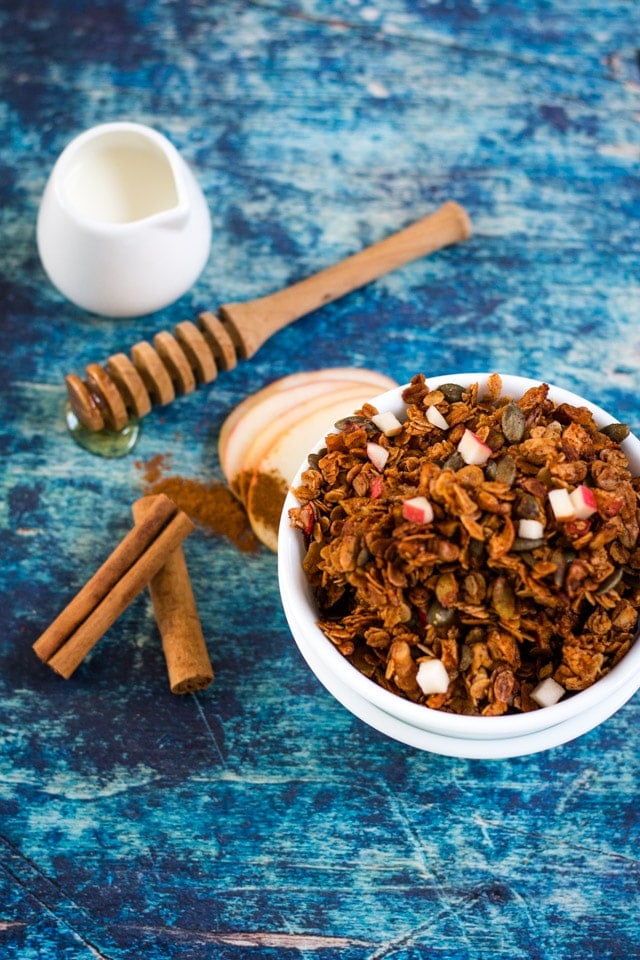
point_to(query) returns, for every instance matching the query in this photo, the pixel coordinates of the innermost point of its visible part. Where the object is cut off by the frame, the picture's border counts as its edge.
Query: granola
(495, 539)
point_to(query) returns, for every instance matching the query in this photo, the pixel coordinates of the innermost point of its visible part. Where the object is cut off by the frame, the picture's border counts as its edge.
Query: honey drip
(110, 444)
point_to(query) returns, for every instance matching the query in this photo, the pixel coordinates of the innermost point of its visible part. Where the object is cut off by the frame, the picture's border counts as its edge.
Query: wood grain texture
(259, 819)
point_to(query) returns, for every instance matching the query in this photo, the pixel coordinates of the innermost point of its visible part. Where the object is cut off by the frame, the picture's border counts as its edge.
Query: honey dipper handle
(178, 361)
(252, 323)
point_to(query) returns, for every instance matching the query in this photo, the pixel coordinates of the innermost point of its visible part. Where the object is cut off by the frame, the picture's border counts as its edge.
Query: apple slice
(261, 417)
(349, 374)
(247, 419)
(530, 529)
(273, 471)
(254, 434)
(346, 397)
(548, 692)
(436, 419)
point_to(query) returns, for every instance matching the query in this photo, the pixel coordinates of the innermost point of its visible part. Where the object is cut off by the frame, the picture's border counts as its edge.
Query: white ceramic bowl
(415, 724)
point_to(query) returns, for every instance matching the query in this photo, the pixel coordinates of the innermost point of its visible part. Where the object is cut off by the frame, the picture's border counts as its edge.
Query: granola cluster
(443, 569)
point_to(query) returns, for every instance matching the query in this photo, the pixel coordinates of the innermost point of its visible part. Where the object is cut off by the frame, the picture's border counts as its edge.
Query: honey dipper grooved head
(83, 403)
(109, 398)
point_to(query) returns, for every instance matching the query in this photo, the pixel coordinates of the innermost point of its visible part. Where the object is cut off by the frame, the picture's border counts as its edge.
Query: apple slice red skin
(348, 374)
(247, 421)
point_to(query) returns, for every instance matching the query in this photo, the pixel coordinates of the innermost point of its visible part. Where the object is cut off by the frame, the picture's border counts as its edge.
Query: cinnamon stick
(128, 569)
(183, 644)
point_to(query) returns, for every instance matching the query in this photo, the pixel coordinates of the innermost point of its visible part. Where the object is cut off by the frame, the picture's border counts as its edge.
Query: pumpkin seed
(616, 431)
(611, 582)
(363, 557)
(513, 422)
(505, 469)
(446, 589)
(355, 422)
(439, 616)
(503, 599)
(476, 550)
(520, 544)
(465, 657)
(562, 558)
(495, 439)
(527, 507)
(453, 462)
(453, 392)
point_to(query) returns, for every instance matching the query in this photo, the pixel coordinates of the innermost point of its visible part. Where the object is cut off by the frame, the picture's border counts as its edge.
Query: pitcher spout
(123, 173)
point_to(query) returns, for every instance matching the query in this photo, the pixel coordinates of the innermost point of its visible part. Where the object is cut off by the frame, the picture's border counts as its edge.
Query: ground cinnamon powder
(266, 498)
(211, 506)
(153, 469)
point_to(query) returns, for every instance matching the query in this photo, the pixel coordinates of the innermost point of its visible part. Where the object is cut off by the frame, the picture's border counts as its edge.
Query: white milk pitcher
(123, 227)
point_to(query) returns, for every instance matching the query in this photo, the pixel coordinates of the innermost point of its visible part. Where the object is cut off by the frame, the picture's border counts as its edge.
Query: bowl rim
(298, 602)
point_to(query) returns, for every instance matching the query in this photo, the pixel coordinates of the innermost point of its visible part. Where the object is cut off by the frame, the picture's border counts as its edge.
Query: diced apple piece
(530, 529)
(562, 505)
(387, 423)
(432, 677)
(378, 455)
(472, 449)
(436, 419)
(307, 518)
(584, 502)
(376, 487)
(548, 692)
(417, 510)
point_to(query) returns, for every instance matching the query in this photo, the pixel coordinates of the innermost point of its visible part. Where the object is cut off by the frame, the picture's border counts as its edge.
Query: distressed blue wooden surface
(260, 819)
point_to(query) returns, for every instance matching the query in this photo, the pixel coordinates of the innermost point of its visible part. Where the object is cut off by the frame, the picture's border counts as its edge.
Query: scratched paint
(259, 819)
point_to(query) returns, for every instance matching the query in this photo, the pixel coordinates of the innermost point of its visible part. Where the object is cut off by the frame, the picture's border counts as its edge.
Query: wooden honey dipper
(176, 363)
